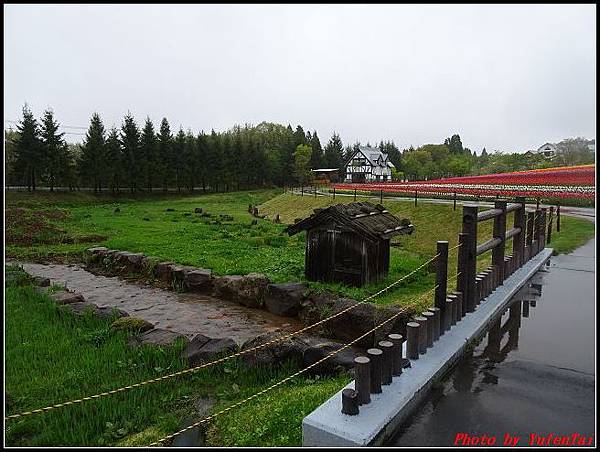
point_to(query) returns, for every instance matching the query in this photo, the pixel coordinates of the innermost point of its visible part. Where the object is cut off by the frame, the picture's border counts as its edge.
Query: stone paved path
(185, 313)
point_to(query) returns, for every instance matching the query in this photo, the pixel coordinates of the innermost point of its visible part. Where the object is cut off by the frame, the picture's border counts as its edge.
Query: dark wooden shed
(349, 243)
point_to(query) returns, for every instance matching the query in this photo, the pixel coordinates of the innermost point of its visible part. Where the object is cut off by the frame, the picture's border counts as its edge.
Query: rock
(198, 280)
(97, 250)
(274, 354)
(80, 308)
(131, 324)
(67, 297)
(198, 210)
(40, 281)
(158, 337)
(131, 261)
(341, 361)
(248, 290)
(285, 299)
(178, 273)
(316, 306)
(163, 271)
(202, 349)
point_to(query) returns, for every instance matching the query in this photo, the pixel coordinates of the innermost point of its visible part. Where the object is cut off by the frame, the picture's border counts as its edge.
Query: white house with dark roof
(548, 150)
(368, 164)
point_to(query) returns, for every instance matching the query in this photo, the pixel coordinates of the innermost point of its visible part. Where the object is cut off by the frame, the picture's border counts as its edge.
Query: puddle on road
(533, 372)
(185, 313)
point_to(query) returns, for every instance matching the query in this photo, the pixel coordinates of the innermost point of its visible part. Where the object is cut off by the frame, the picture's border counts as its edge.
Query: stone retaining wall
(255, 290)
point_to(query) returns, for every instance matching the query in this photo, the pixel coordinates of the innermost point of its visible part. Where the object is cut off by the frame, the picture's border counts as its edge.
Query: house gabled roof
(372, 221)
(373, 155)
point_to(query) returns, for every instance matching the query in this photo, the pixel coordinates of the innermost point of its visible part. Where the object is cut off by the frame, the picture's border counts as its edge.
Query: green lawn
(53, 356)
(66, 224)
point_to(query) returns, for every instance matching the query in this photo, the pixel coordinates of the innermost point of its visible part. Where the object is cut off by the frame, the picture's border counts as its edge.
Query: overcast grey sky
(506, 77)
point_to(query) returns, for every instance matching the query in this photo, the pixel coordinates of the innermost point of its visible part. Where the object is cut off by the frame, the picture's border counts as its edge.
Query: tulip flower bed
(563, 183)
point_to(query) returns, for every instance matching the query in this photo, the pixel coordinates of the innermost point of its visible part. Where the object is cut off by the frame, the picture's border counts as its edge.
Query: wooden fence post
(536, 232)
(543, 229)
(519, 239)
(529, 236)
(462, 267)
(469, 227)
(550, 220)
(500, 233)
(302, 190)
(441, 276)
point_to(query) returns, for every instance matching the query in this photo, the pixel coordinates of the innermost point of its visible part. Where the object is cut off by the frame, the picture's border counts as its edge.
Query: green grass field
(62, 226)
(53, 356)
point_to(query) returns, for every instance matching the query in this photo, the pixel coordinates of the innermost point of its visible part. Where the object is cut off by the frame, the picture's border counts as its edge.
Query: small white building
(548, 150)
(368, 165)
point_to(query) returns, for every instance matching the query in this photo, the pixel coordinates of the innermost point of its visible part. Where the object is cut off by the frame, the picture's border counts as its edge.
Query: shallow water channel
(532, 374)
(185, 313)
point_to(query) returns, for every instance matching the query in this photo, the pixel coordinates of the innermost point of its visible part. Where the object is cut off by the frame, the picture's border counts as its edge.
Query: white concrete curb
(378, 420)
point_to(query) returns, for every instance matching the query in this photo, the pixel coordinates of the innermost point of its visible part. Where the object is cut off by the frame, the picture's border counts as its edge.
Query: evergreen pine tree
(114, 161)
(130, 142)
(149, 154)
(334, 152)
(28, 157)
(165, 151)
(179, 158)
(92, 156)
(53, 150)
(316, 158)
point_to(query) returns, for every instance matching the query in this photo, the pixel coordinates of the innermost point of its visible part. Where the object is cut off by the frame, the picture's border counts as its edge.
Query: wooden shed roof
(370, 220)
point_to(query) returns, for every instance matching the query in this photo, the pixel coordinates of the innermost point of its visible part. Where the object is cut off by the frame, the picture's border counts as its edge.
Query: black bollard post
(459, 302)
(396, 339)
(355, 195)
(422, 333)
(387, 361)
(375, 355)
(362, 381)
(453, 309)
(415, 198)
(448, 314)
(430, 316)
(558, 218)
(350, 402)
(454, 200)
(412, 340)
(437, 326)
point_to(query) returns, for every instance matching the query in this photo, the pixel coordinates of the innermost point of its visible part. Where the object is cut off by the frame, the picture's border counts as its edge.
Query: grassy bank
(62, 226)
(53, 356)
